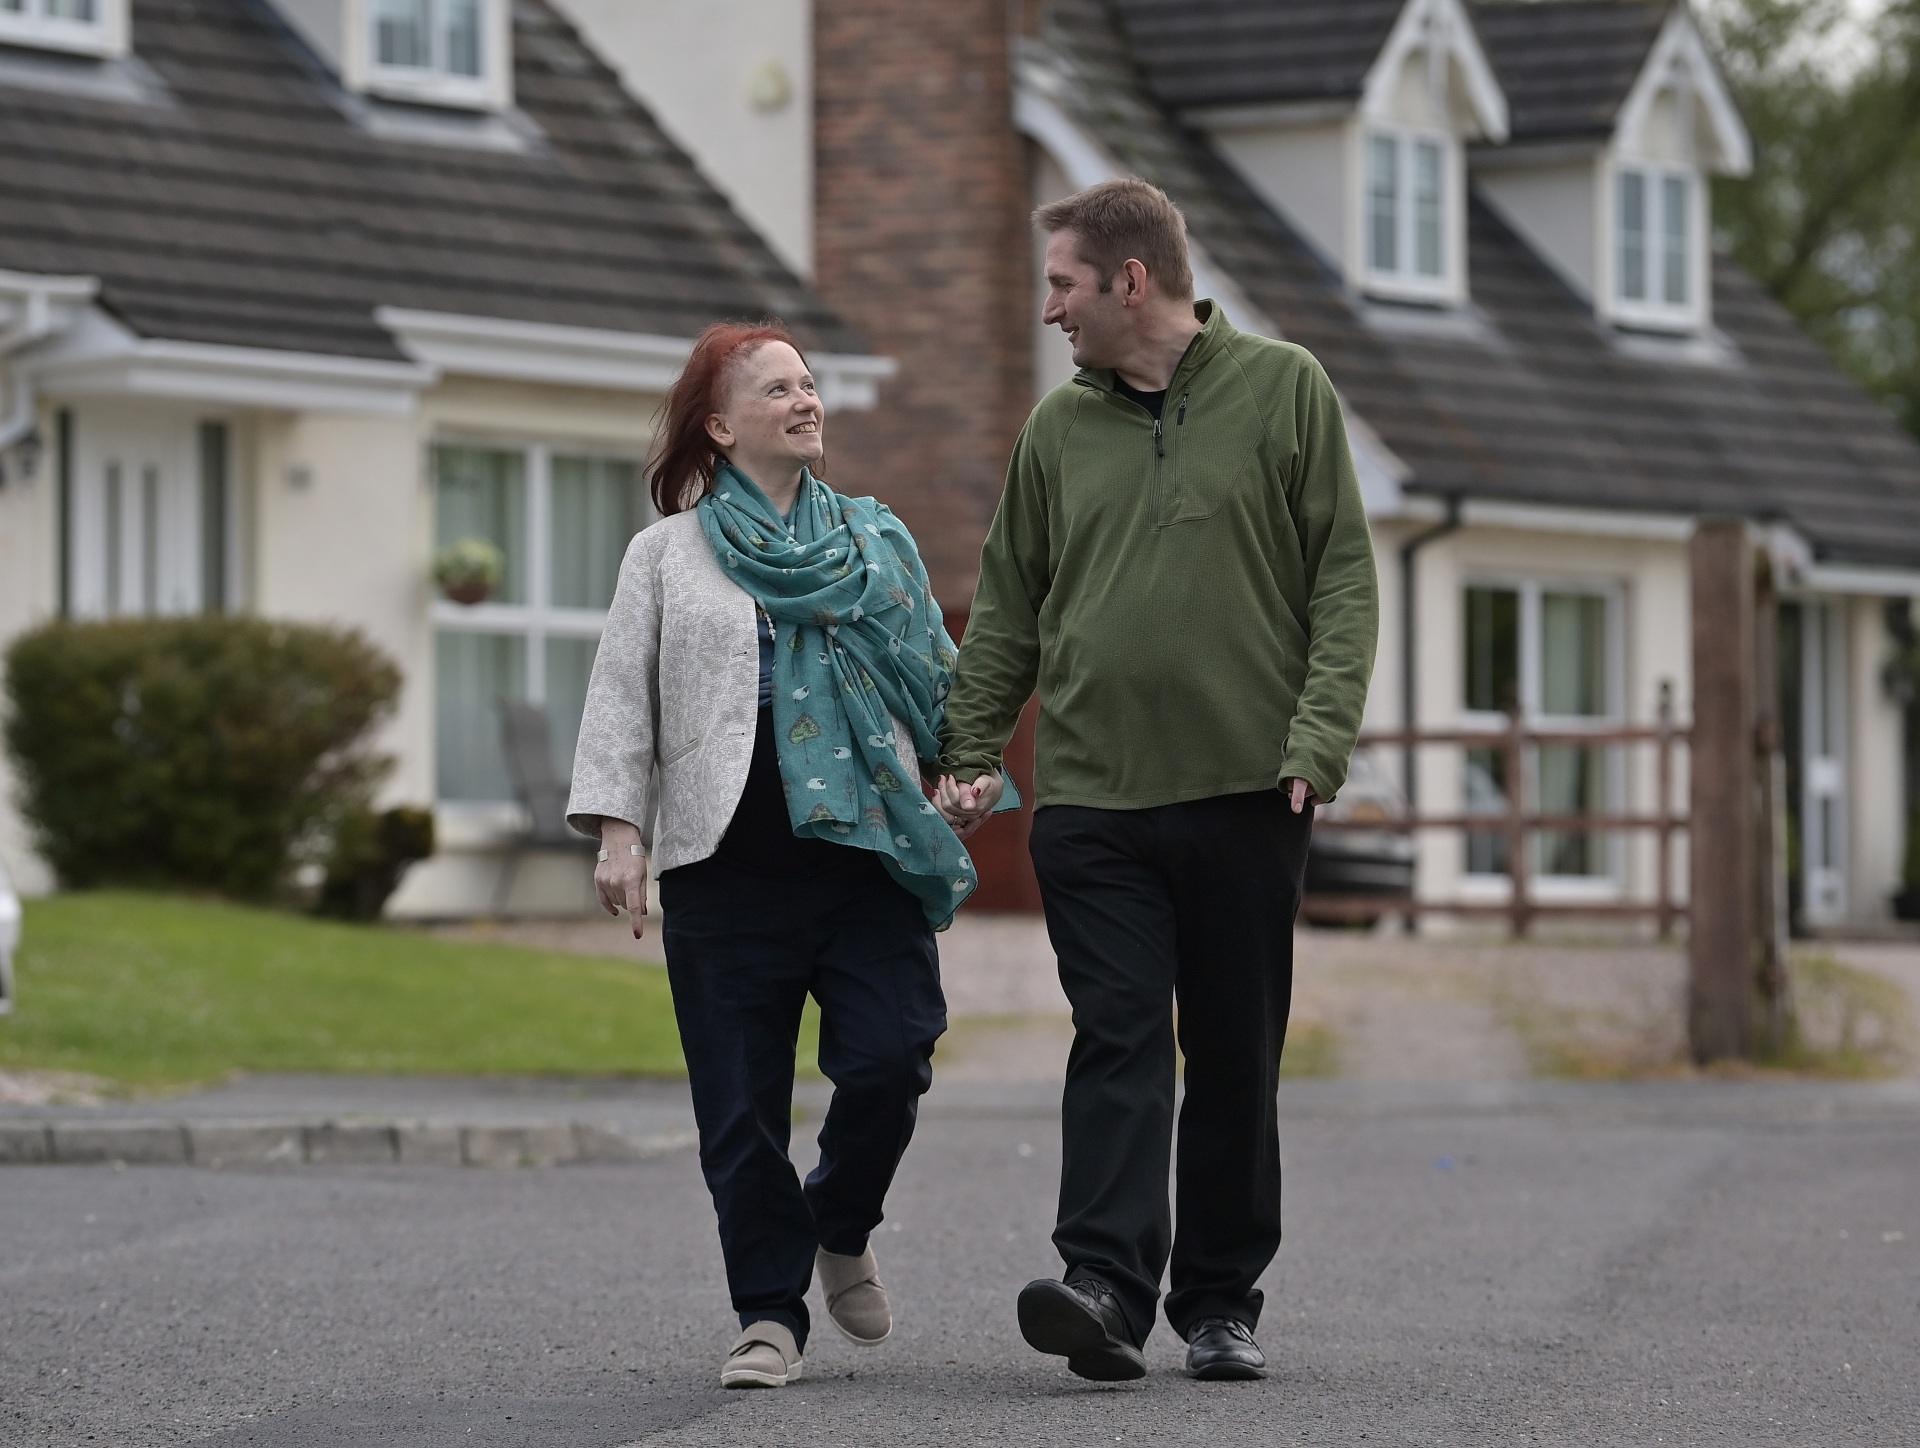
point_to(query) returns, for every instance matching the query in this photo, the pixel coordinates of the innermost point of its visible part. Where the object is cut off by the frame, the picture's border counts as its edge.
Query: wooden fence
(1518, 825)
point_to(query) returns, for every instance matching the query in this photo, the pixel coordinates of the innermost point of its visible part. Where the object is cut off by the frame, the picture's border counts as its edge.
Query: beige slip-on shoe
(856, 1298)
(763, 1356)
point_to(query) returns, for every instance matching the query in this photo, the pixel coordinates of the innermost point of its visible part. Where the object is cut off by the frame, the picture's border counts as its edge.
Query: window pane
(1426, 208)
(81, 10)
(14, 7)
(1573, 654)
(1673, 230)
(463, 37)
(1486, 794)
(482, 493)
(569, 665)
(598, 505)
(473, 672)
(1633, 236)
(1573, 781)
(400, 32)
(1492, 648)
(1383, 203)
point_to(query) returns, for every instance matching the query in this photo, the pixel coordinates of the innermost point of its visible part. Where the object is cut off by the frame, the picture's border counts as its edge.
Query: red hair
(684, 457)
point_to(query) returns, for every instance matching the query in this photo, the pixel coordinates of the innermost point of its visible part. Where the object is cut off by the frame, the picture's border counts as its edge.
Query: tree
(1827, 222)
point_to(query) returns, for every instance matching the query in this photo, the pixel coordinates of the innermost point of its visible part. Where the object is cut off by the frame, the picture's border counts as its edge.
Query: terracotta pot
(467, 594)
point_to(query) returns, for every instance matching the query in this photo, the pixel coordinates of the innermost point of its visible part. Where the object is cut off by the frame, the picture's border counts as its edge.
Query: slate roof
(1194, 53)
(240, 201)
(1527, 398)
(1567, 66)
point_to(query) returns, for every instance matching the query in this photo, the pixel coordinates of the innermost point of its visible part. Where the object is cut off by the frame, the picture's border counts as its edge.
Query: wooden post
(1515, 773)
(1663, 811)
(1721, 940)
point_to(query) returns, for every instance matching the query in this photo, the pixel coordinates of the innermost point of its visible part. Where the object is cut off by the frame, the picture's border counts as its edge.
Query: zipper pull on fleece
(1158, 450)
(1180, 419)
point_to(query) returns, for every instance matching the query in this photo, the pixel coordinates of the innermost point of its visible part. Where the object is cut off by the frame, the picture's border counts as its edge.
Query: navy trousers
(749, 934)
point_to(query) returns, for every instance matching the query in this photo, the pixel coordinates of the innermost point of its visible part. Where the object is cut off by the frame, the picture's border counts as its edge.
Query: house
(292, 291)
(1492, 223)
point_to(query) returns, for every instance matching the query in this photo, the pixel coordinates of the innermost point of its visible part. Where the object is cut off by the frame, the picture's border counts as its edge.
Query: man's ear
(1136, 274)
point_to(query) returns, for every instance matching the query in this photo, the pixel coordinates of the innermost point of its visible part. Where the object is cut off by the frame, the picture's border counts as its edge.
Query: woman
(795, 851)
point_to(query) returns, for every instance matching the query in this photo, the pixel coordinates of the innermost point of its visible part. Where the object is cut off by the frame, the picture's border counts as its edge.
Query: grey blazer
(667, 736)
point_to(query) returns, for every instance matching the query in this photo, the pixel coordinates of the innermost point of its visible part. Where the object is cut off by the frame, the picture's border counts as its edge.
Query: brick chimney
(921, 240)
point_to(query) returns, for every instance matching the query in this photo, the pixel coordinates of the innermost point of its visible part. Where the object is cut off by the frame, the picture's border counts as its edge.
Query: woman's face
(771, 418)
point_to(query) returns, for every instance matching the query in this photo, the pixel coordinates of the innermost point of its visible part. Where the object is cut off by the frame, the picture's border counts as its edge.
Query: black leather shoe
(1222, 1349)
(1080, 1321)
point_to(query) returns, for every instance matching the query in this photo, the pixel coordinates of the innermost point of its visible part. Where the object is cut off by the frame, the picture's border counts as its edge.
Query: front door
(150, 523)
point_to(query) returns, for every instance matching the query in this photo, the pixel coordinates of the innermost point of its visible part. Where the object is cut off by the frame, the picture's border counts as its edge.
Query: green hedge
(199, 752)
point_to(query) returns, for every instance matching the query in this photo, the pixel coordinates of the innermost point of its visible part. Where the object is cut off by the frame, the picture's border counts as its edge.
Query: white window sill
(1652, 317)
(431, 88)
(71, 37)
(1400, 287)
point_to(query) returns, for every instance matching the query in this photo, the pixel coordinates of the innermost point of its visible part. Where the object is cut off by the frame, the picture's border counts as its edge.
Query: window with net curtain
(535, 638)
(442, 35)
(1548, 650)
(84, 11)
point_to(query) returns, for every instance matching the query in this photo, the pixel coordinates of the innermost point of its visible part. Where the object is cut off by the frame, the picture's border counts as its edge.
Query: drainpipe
(1409, 653)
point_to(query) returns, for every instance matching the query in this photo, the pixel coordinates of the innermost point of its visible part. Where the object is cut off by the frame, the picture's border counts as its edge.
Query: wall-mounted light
(769, 87)
(21, 461)
(299, 477)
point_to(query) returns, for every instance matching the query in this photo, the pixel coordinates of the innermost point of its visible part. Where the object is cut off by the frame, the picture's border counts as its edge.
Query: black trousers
(749, 934)
(1191, 903)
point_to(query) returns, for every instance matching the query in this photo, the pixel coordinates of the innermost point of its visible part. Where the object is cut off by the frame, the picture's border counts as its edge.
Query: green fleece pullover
(1194, 597)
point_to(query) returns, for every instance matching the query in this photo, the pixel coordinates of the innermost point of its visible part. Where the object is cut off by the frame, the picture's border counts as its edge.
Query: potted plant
(468, 570)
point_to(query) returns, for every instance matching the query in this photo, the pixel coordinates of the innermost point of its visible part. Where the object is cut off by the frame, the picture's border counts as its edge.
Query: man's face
(1093, 320)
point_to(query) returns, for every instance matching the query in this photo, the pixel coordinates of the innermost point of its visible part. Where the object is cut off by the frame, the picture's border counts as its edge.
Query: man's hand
(966, 806)
(1300, 794)
(620, 880)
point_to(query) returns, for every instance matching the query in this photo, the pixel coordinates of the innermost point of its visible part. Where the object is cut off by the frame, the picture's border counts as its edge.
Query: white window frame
(1611, 880)
(535, 622)
(433, 83)
(104, 35)
(1404, 280)
(1654, 310)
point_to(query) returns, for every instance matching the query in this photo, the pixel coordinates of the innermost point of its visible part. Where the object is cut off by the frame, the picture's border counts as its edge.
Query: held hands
(1299, 794)
(620, 878)
(966, 806)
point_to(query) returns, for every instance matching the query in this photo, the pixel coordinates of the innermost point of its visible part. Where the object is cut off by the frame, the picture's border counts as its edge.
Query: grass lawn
(149, 991)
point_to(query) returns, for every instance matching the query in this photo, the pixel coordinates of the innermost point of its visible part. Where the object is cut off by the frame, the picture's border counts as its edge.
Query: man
(1181, 563)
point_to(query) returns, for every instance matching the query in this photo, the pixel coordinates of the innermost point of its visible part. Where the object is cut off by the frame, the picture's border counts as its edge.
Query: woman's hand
(966, 806)
(621, 878)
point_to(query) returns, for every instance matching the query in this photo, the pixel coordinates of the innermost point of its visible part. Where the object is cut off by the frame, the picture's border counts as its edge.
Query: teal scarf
(859, 641)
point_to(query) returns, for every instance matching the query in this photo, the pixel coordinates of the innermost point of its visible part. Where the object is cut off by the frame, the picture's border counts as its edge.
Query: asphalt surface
(1692, 1264)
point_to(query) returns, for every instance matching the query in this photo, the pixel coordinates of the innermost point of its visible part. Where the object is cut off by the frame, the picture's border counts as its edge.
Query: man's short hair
(1116, 220)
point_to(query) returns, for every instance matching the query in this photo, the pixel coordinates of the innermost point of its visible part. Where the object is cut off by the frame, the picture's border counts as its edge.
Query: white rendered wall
(709, 71)
(1304, 173)
(1556, 210)
(29, 596)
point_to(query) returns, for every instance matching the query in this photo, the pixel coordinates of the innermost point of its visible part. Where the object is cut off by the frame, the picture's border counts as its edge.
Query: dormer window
(85, 27)
(1407, 212)
(1657, 250)
(437, 52)
(435, 37)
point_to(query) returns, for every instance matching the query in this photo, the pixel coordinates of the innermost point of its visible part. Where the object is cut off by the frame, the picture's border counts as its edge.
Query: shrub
(199, 752)
(369, 854)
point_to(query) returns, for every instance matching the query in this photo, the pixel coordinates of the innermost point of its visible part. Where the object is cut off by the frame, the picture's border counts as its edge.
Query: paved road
(1698, 1264)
